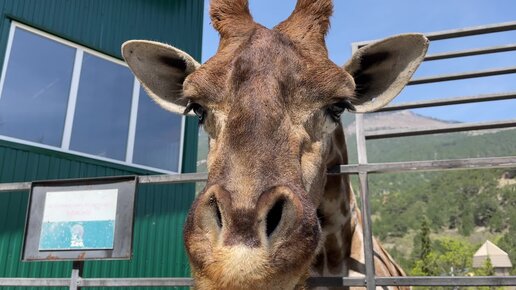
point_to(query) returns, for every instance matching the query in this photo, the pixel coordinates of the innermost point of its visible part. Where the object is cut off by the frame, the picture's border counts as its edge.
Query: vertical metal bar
(73, 279)
(364, 192)
(77, 268)
(361, 140)
(364, 197)
(368, 236)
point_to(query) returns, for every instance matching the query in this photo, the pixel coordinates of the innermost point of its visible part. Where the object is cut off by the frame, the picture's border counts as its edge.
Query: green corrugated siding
(160, 213)
(102, 25)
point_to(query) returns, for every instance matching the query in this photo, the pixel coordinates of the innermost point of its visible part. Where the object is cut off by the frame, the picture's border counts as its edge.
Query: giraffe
(271, 101)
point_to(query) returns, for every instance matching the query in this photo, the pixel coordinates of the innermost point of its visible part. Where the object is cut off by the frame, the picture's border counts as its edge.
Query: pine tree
(426, 246)
(488, 266)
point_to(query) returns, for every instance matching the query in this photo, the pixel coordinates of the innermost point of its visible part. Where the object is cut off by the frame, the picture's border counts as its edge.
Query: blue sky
(359, 20)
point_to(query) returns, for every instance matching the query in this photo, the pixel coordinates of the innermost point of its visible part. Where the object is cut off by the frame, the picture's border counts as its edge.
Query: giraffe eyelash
(198, 110)
(335, 110)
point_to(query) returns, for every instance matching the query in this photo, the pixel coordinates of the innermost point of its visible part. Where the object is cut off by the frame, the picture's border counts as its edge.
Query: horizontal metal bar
(450, 101)
(470, 163)
(451, 128)
(173, 178)
(446, 281)
(447, 34)
(335, 282)
(413, 281)
(429, 165)
(98, 282)
(470, 52)
(42, 282)
(15, 186)
(143, 179)
(135, 282)
(462, 75)
(477, 30)
(312, 282)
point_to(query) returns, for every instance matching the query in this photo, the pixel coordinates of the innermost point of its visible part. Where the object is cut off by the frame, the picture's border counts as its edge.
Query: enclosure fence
(363, 169)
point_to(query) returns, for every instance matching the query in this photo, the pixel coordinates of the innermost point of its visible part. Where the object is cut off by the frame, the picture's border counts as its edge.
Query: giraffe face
(270, 100)
(270, 125)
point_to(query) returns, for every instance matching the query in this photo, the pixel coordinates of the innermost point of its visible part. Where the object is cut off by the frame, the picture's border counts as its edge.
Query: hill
(487, 143)
(395, 120)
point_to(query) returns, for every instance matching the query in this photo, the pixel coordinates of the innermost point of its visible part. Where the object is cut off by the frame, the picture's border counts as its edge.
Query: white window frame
(70, 112)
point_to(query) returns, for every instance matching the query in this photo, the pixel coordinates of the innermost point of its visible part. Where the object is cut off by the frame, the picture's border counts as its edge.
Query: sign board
(86, 221)
(80, 219)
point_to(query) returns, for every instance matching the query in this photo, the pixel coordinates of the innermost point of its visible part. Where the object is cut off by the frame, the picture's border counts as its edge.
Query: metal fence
(362, 169)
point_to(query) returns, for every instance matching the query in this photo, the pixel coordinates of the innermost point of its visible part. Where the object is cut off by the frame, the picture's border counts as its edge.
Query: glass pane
(36, 88)
(101, 120)
(158, 136)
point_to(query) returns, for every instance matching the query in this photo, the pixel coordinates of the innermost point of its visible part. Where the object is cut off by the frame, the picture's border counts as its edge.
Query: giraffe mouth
(241, 267)
(272, 242)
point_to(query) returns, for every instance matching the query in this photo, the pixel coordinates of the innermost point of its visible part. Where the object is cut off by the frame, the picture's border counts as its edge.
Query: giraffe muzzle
(278, 231)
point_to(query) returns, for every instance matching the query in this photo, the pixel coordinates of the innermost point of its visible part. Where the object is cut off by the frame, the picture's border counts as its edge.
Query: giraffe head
(270, 100)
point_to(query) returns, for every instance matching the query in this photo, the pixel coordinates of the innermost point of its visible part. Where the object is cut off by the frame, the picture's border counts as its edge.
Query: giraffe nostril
(215, 206)
(274, 216)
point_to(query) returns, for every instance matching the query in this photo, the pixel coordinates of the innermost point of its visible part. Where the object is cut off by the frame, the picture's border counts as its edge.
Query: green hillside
(441, 146)
(469, 206)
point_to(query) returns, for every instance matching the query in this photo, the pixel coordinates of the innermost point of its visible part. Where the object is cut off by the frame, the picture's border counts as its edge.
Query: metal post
(366, 215)
(77, 268)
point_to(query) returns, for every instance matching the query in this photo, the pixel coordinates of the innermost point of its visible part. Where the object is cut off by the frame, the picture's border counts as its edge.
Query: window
(101, 121)
(57, 94)
(36, 88)
(158, 133)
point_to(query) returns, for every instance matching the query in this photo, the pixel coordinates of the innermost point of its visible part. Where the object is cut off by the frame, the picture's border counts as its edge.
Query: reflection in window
(44, 99)
(101, 121)
(158, 135)
(35, 93)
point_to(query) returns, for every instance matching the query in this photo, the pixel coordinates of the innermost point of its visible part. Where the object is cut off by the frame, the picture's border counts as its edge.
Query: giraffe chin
(242, 267)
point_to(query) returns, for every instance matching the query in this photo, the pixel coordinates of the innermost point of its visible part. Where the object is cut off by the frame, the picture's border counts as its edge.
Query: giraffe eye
(334, 111)
(197, 109)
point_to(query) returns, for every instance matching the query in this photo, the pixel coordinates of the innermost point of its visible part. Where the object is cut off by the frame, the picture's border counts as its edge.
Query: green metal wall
(102, 25)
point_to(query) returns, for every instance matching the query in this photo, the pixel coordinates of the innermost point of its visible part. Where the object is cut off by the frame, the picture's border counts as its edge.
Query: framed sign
(80, 219)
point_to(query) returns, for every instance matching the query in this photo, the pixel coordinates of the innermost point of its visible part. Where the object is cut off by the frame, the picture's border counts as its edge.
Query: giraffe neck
(342, 251)
(338, 214)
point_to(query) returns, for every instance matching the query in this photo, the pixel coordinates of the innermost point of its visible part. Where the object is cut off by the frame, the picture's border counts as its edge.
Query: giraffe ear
(161, 69)
(382, 69)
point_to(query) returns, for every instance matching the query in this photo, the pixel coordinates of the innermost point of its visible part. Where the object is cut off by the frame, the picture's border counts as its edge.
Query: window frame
(72, 99)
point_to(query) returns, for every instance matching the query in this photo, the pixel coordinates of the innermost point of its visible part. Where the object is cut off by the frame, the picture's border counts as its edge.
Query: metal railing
(362, 169)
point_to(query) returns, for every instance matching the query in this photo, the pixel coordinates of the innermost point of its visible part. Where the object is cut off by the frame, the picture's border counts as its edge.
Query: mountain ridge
(405, 119)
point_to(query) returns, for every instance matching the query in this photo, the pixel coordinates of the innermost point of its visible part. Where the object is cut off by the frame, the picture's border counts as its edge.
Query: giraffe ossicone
(271, 101)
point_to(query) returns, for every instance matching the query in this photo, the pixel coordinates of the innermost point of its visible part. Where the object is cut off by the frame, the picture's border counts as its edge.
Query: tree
(486, 269)
(448, 257)
(423, 247)
(508, 241)
(508, 244)
(426, 246)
